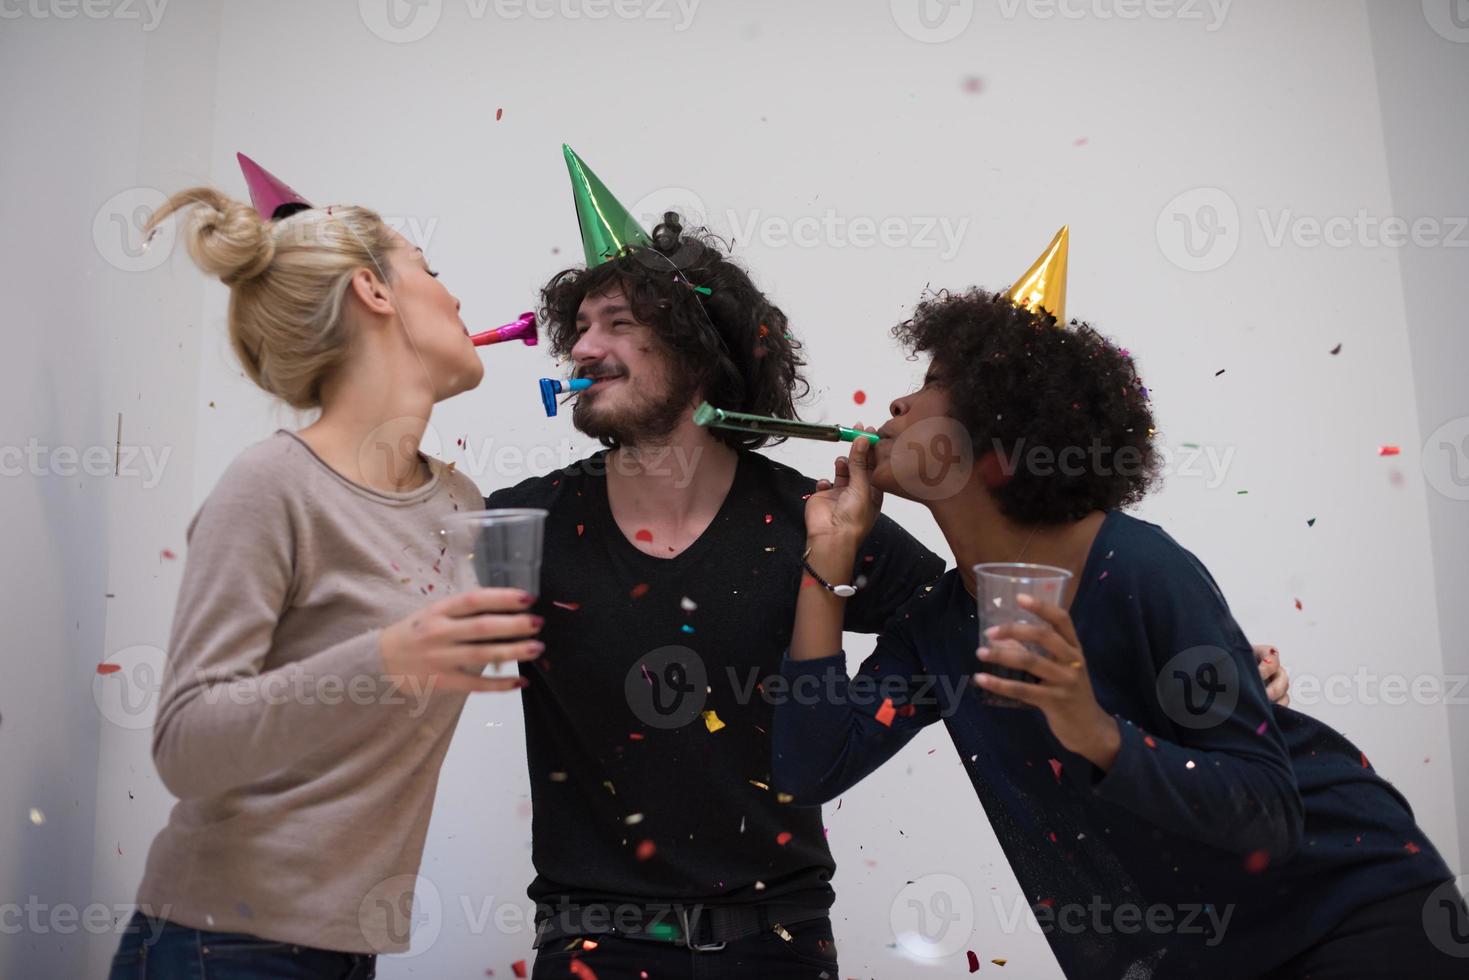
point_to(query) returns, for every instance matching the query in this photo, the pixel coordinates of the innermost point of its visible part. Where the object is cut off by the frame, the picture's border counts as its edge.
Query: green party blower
(707, 414)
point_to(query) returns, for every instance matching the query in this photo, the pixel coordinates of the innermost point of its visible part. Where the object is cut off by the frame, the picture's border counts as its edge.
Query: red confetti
(1388, 450)
(644, 535)
(886, 712)
(1298, 604)
(568, 606)
(1148, 741)
(581, 970)
(167, 553)
(1364, 760)
(783, 838)
(859, 397)
(1102, 576)
(518, 968)
(1055, 768)
(499, 114)
(1257, 861)
(108, 668)
(636, 736)
(1410, 847)
(580, 529)
(1261, 729)
(1081, 141)
(640, 590)
(974, 85)
(769, 519)
(646, 849)
(973, 962)
(1046, 902)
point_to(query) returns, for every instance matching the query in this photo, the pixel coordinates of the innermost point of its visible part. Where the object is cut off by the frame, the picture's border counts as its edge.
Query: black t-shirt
(647, 735)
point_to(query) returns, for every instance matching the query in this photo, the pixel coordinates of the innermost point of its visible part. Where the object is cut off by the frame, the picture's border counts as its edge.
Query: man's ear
(371, 292)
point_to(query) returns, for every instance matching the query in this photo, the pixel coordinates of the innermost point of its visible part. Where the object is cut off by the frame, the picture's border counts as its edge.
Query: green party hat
(606, 226)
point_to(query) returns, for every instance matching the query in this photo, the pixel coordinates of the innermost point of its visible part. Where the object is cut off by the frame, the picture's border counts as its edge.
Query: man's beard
(650, 419)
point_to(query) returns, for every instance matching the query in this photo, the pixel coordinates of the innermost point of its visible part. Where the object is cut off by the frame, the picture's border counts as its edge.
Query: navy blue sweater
(1244, 830)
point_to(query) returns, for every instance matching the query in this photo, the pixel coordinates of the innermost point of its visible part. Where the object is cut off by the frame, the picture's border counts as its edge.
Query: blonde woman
(320, 656)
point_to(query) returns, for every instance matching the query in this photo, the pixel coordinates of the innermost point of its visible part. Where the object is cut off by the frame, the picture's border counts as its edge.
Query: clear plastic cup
(996, 586)
(497, 549)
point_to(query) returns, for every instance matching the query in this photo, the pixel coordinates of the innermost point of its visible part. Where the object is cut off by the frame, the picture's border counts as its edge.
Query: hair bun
(667, 235)
(229, 239)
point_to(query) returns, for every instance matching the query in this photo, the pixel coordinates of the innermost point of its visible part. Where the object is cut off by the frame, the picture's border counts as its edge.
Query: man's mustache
(599, 373)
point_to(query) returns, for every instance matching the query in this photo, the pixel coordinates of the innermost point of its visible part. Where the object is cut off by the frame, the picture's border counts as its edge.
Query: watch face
(845, 591)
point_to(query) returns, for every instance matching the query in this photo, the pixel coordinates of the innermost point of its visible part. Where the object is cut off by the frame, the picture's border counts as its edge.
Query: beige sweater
(305, 777)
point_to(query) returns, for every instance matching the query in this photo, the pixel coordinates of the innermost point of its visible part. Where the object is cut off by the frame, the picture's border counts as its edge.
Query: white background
(1002, 120)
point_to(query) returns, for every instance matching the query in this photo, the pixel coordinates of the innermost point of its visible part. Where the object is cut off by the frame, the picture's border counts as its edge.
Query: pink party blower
(523, 329)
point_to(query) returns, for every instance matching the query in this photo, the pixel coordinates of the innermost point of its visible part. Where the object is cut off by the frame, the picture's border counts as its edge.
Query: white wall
(777, 113)
(1425, 154)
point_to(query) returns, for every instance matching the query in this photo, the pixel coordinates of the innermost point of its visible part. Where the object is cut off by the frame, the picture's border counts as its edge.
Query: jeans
(155, 949)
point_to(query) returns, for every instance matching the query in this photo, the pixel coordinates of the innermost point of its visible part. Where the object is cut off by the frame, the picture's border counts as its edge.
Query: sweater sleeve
(224, 720)
(831, 731)
(1222, 774)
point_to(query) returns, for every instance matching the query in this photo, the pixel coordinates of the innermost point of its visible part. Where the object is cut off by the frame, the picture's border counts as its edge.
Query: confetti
(640, 590)
(1411, 848)
(37, 817)
(499, 114)
(780, 931)
(633, 819)
(1298, 604)
(1261, 729)
(1388, 450)
(1365, 764)
(886, 712)
(1148, 741)
(518, 968)
(769, 518)
(973, 962)
(783, 838)
(711, 720)
(646, 849)
(973, 84)
(108, 668)
(1336, 349)
(644, 535)
(1218, 372)
(859, 396)
(686, 628)
(1055, 768)
(167, 554)
(687, 604)
(1080, 141)
(999, 962)
(1101, 576)
(1310, 522)
(1257, 861)
(581, 529)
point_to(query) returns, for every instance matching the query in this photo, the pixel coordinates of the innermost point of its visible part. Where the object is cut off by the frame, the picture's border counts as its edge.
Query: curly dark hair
(706, 313)
(1038, 394)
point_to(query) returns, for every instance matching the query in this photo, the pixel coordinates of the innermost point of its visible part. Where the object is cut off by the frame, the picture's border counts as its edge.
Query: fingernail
(1024, 599)
(526, 599)
(984, 653)
(522, 682)
(992, 632)
(538, 621)
(538, 648)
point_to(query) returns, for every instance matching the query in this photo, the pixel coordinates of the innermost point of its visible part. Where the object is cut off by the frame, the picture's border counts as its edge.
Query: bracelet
(841, 591)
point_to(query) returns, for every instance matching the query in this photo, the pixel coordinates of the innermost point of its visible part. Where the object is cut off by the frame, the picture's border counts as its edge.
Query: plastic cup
(497, 549)
(997, 584)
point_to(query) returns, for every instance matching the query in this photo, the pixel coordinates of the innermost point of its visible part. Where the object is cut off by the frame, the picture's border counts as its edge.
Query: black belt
(701, 928)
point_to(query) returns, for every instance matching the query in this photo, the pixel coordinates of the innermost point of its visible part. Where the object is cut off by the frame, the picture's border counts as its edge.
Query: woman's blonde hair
(288, 280)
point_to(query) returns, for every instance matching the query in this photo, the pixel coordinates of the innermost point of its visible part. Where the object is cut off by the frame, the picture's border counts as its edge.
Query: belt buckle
(689, 926)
